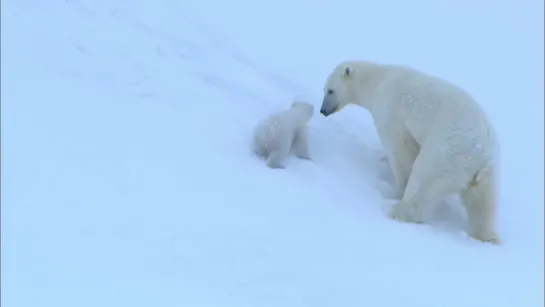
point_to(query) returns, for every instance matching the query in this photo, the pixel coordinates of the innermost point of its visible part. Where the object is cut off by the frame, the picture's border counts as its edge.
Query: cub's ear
(348, 71)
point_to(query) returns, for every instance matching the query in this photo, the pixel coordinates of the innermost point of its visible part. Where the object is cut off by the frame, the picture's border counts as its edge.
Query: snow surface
(127, 178)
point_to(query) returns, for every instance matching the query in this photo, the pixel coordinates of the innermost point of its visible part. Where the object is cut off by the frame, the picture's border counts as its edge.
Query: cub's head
(339, 88)
(304, 107)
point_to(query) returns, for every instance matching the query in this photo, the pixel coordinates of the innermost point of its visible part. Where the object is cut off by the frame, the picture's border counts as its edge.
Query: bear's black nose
(324, 112)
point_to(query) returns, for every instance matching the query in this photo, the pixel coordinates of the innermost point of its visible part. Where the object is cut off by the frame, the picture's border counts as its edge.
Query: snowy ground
(127, 178)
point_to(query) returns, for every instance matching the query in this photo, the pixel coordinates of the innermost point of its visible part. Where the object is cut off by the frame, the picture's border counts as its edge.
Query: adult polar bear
(436, 137)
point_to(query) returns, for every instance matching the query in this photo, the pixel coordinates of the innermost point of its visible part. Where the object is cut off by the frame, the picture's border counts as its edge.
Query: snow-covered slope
(127, 179)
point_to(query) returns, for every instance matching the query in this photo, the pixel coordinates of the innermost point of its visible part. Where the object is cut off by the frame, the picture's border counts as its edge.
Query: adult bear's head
(345, 84)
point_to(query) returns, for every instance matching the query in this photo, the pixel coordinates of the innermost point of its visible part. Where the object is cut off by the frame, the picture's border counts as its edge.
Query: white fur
(437, 139)
(278, 134)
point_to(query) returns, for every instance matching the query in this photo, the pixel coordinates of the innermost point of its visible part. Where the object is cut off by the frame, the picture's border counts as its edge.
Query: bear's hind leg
(479, 199)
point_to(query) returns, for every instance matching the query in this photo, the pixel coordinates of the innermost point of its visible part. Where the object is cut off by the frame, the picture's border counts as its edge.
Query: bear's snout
(325, 112)
(329, 106)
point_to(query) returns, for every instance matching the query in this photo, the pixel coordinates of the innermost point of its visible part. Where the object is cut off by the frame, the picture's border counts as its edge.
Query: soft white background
(127, 178)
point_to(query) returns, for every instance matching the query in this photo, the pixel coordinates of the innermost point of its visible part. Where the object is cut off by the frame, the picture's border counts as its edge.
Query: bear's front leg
(416, 205)
(300, 144)
(427, 186)
(401, 152)
(278, 158)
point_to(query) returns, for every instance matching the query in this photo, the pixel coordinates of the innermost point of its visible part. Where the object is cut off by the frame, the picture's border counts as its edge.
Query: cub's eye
(329, 92)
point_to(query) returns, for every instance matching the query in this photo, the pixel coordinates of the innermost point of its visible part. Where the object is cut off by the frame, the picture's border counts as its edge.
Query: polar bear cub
(437, 139)
(280, 133)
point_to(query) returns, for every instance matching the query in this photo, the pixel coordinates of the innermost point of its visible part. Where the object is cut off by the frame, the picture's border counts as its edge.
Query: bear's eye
(329, 92)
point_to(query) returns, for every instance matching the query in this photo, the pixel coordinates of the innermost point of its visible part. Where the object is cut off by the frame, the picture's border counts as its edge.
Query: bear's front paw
(487, 237)
(305, 157)
(404, 212)
(275, 164)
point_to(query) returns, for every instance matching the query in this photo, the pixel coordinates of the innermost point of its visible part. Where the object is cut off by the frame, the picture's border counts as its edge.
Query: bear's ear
(348, 71)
